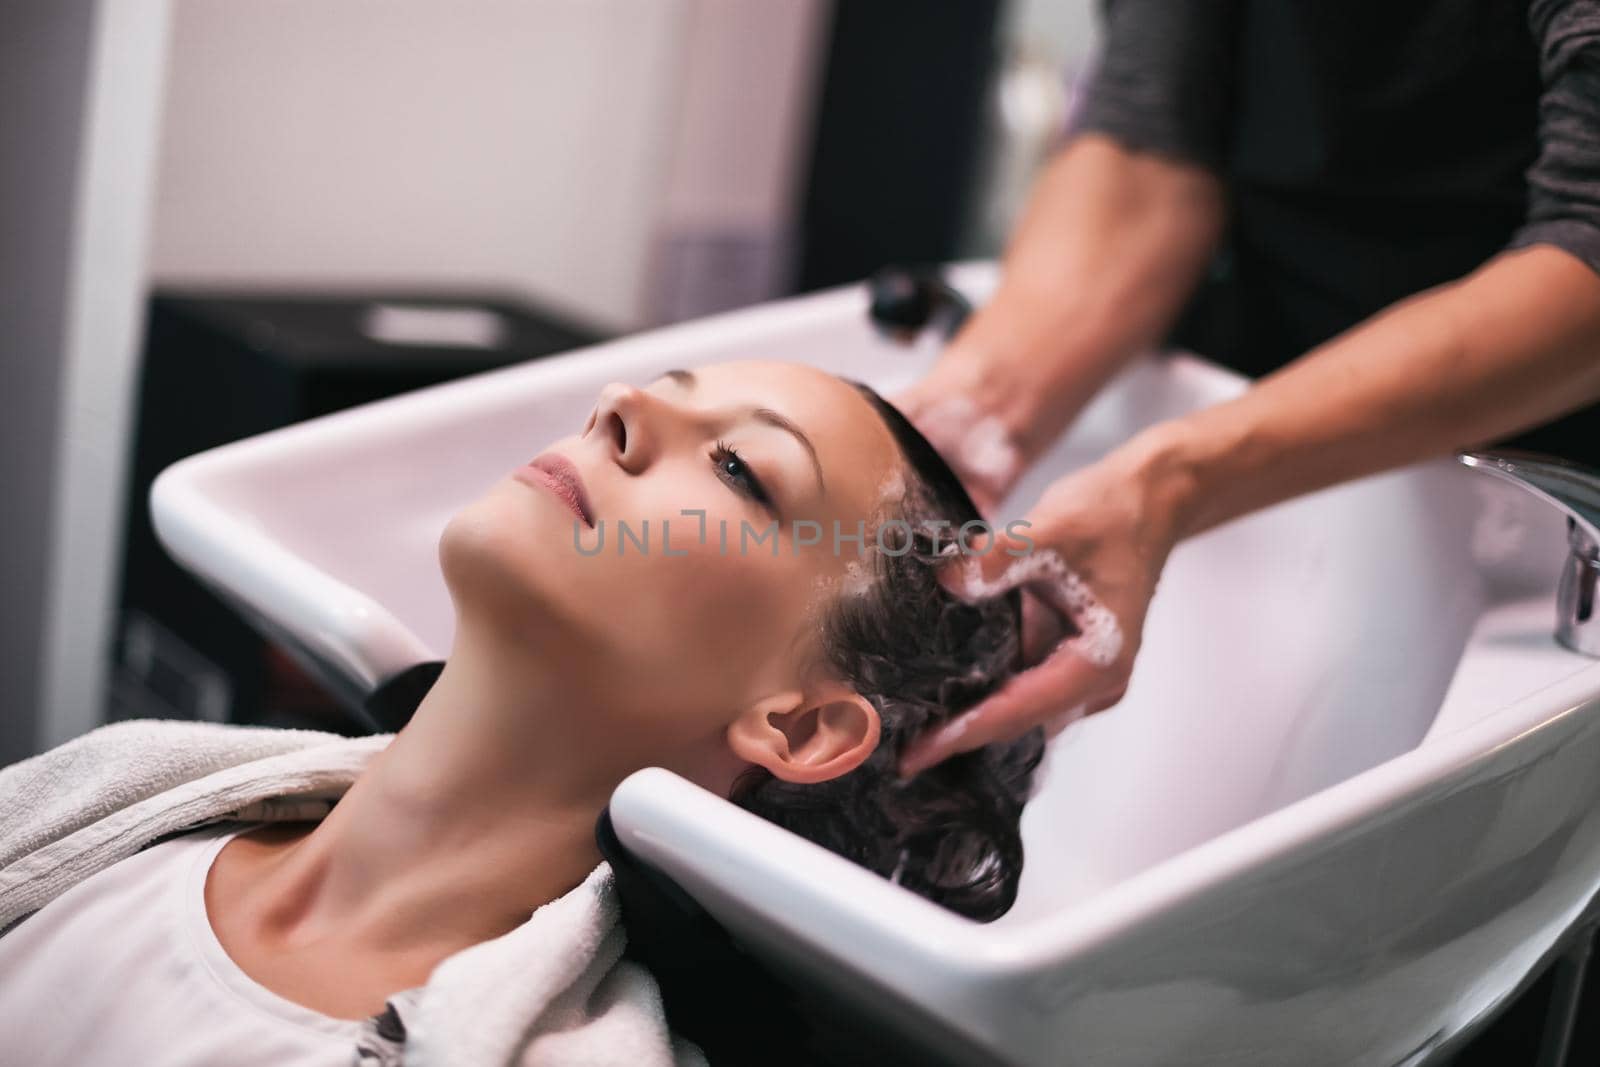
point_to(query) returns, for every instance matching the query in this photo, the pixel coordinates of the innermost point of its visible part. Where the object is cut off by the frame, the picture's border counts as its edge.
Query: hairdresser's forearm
(1509, 347)
(1109, 248)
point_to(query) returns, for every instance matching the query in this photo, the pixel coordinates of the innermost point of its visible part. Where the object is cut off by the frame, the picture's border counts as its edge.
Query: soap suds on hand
(1099, 638)
(980, 445)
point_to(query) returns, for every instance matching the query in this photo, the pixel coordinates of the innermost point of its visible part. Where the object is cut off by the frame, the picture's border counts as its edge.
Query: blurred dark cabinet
(220, 367)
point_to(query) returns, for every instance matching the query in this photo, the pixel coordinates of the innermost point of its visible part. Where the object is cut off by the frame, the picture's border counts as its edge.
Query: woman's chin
(500, 554)
(515, 520)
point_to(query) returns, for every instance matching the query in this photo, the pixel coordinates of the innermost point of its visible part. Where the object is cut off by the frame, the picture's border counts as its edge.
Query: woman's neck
(479, 811)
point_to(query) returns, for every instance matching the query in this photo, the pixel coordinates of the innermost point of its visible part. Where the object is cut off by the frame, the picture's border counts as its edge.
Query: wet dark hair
(921, 655)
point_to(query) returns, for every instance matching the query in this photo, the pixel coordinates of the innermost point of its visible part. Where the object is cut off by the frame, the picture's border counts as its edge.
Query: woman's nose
(614, 411)
(633, 422)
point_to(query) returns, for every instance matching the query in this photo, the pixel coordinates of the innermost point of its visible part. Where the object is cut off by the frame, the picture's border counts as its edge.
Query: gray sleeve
(1164, 78)
(1564, 182)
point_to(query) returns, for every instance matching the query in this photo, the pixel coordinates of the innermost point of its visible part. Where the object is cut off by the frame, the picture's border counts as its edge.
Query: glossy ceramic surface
(1347, 805)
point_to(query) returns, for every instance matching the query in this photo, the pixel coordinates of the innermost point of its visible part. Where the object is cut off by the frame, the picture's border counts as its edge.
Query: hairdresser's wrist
(1165, 465)
(1033, 361)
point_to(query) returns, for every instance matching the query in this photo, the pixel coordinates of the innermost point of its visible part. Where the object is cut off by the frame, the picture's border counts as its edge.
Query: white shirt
(124, 968)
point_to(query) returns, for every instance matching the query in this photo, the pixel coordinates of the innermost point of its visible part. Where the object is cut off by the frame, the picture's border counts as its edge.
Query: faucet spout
(1573, 489)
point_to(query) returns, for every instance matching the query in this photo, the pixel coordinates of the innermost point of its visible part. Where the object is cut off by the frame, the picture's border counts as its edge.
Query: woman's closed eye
(732, 469)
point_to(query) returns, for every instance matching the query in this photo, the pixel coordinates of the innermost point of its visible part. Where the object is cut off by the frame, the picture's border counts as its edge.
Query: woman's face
(715, 498)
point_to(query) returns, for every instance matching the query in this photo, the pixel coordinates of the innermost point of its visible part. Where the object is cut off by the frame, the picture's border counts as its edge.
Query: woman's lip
(561, 476)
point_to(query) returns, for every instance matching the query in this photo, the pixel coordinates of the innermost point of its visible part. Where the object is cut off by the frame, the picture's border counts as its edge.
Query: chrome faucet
(905, 299)
(1575, 490)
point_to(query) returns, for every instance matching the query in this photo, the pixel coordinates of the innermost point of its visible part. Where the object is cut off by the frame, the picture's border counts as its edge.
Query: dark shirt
(1370, 149)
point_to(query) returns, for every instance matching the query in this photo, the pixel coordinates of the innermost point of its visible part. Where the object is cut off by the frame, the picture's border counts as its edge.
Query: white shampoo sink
(1349, 804)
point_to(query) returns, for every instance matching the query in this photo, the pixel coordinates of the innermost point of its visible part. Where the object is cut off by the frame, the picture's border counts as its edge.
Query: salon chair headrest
(714, 992)
(391, 705)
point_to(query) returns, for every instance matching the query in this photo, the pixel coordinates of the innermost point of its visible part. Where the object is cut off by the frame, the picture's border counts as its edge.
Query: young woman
(769, 625)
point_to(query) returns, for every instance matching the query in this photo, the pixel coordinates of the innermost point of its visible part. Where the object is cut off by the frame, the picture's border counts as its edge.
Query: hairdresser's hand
(1087, 564)
(950, 406)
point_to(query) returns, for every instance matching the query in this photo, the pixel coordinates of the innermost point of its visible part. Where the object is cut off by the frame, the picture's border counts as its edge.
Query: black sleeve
(1564, 182)
(1164, 79)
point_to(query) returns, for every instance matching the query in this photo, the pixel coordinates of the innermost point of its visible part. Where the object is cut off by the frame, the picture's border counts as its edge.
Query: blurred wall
(1046, 48)
(79, 95)
(588, 153)
(44, 59)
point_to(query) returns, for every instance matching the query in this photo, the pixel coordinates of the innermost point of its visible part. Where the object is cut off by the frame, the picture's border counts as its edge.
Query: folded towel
(555, 990)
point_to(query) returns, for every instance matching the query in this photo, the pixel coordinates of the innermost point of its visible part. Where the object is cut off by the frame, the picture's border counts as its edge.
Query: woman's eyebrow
(773, 418)
(687, 379)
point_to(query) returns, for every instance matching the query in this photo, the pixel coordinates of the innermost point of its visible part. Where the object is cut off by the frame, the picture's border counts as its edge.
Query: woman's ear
(807, 738)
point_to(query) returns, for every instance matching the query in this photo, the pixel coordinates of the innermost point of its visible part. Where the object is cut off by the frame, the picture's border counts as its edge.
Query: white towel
(554, 991)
